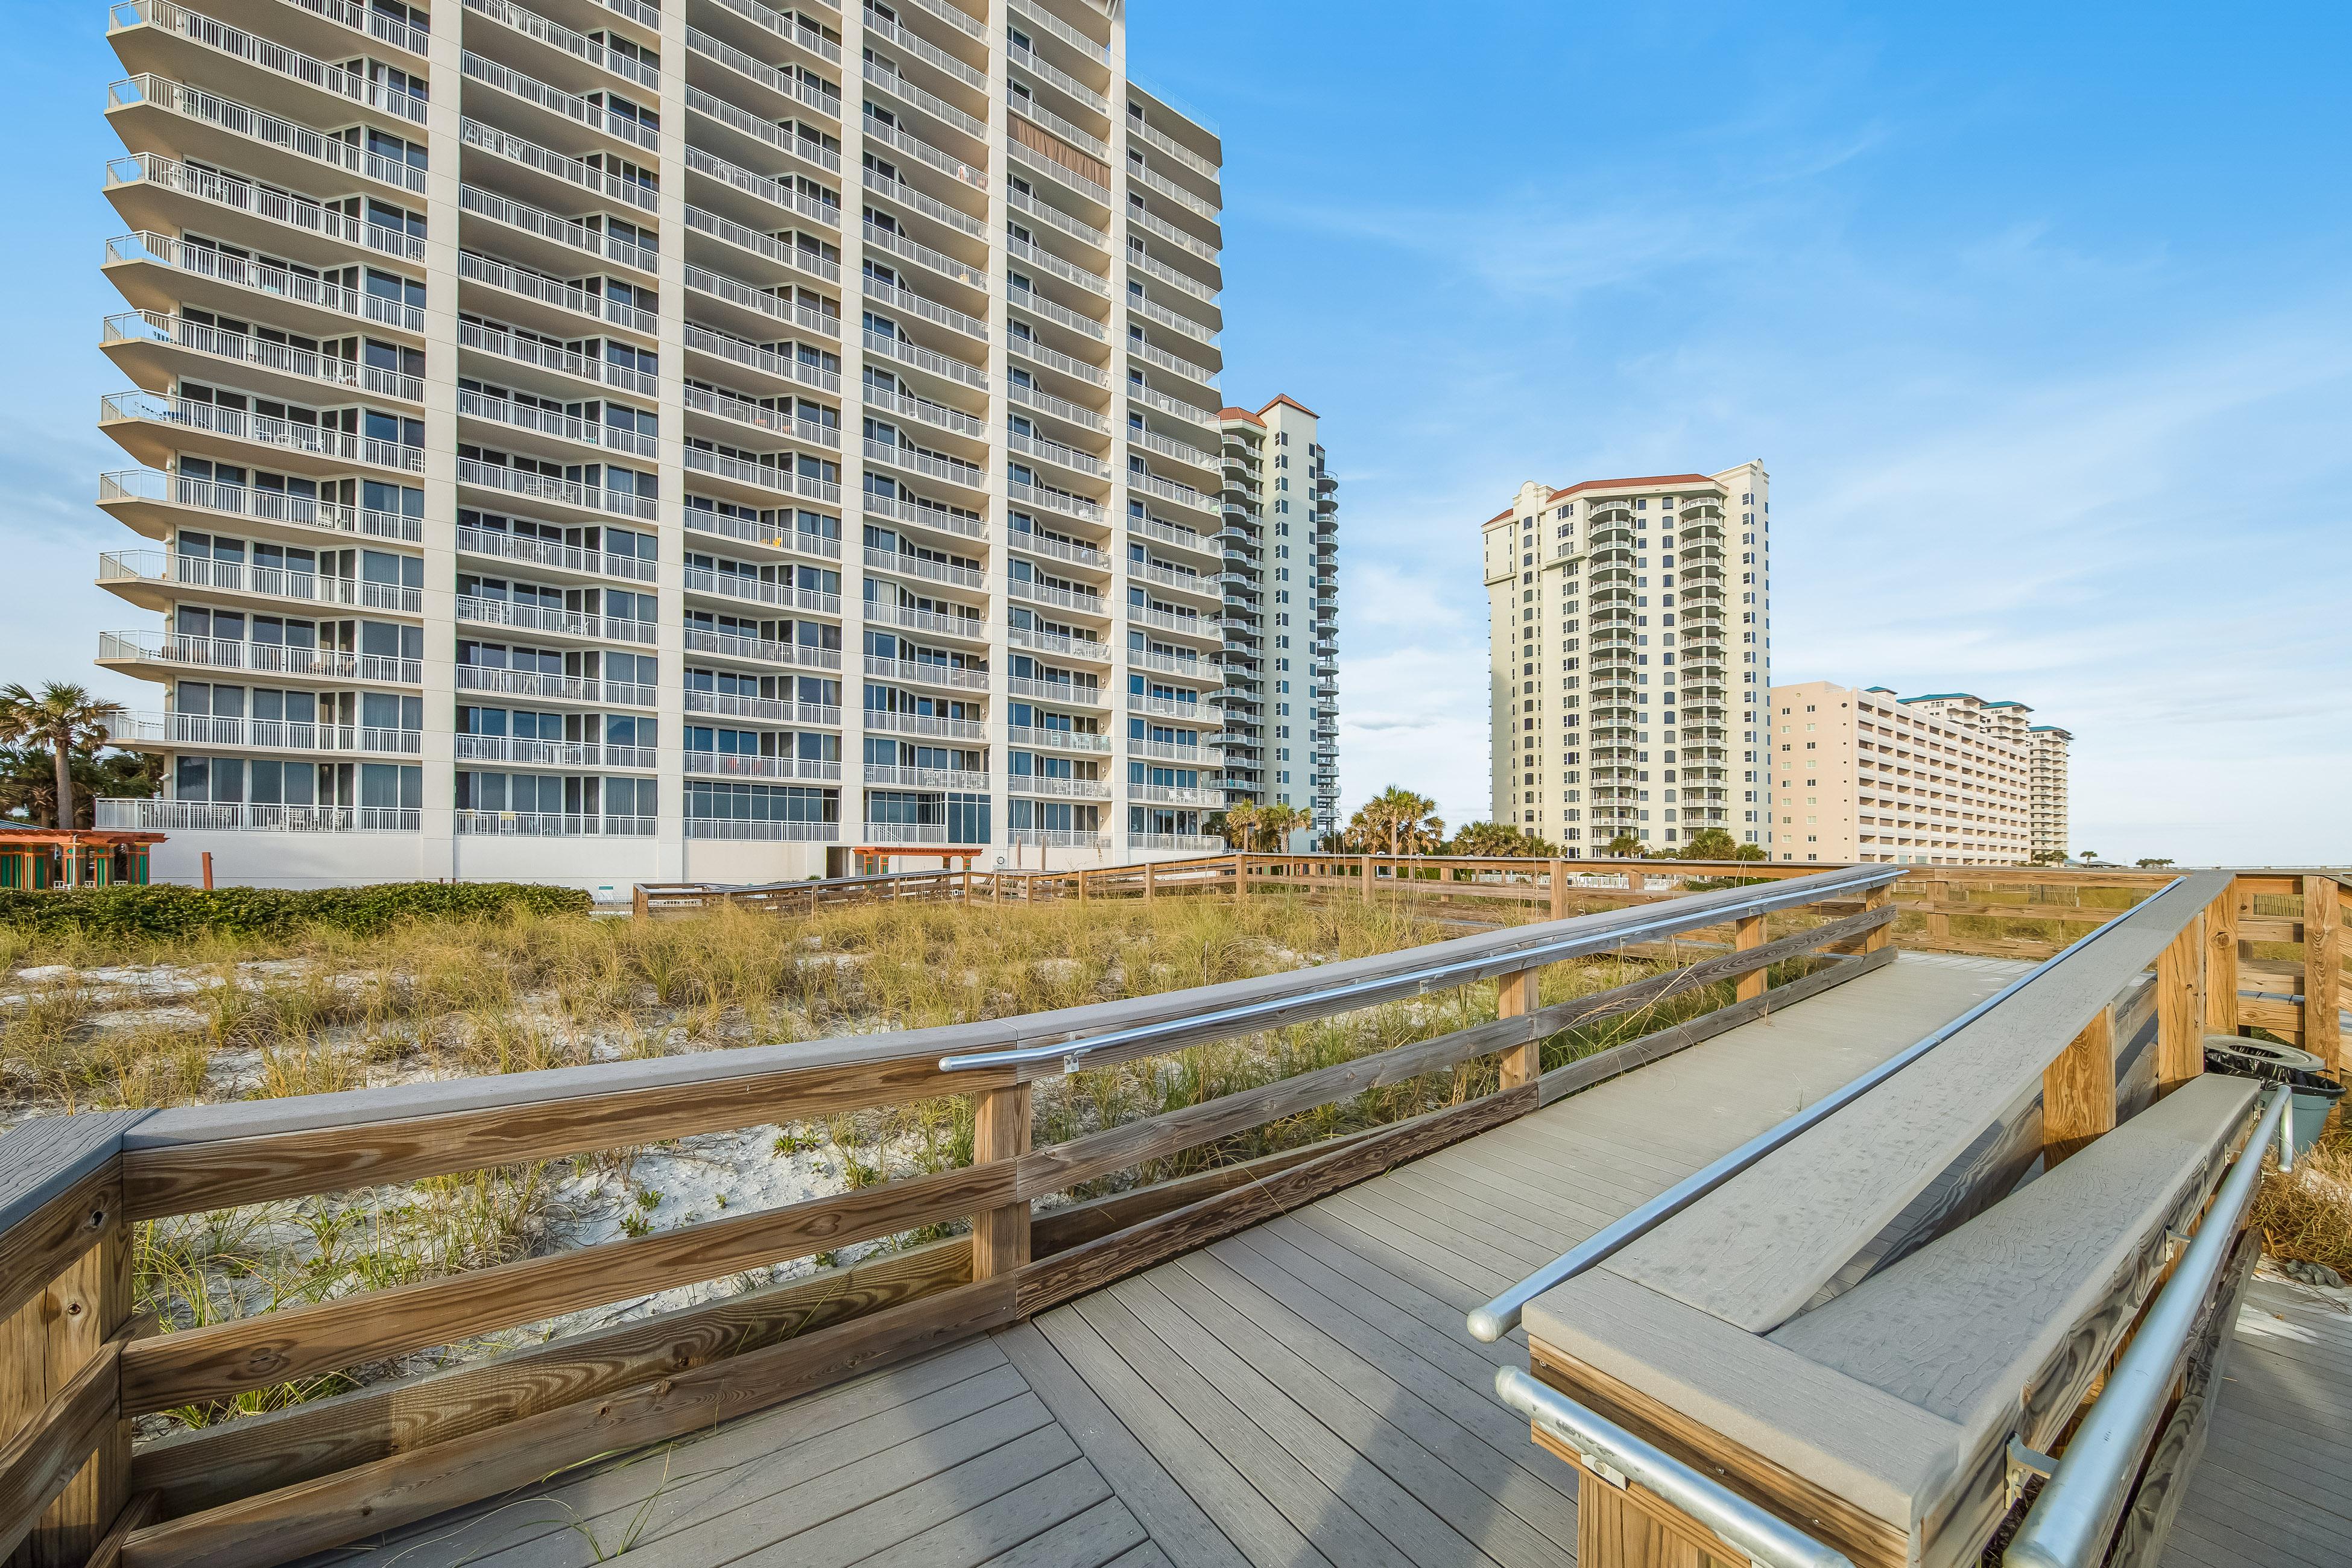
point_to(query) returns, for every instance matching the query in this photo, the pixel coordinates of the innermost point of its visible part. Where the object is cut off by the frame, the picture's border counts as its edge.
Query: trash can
(2315, 1093)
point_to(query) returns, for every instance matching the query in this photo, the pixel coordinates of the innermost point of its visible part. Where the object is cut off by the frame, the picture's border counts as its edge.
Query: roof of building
(1239, 414)
(1284, 397)
(2052, 729)
(2007, 704)
(18, 835)
(1886, 689)
(1638, 481)
(1941, 697)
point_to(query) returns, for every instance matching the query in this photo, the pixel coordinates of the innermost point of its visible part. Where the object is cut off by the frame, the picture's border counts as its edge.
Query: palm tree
(1277, 820)
(1407, 819)
(1626, 846)
(1239, 824)
(1709, 844)
(66, 719)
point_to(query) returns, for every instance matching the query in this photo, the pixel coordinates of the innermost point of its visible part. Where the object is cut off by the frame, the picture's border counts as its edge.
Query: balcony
(963, 629)
(736, 765)
(930, 465)
(216, 128)
(156, 32)
(201, 275)
(176, 651)
(879, 26)
(734, 351)
(578, 60)
(1202, 713)
(777, 475)
(211, 816)
(553, 555)
(921, 514)
(771, 709)
(735, 828)
(1058, 408)
(150, 340)
(879, 719)
(1171, 795)
(931, 361)
(759, 136)
(1066, 693)
(924, 672)
(544, 301)
(513, 153)
(1169, 534)
(548, 239)
(555, 492)
(1061, 839)
(897, 136)
(780, 535)
(182, 729)
(554, 687)
(558, 431)
(937, 414)
(149, 578)
(930, 310)
(1058, 788)
(1047, 498)
(535, 355)
(1076, 603)
(152, 192)
(1029, 542)
(900, 564)
(1054, 77)
(757, 590)
(760, 650)
(148, 501)
(786, 29)
(155, 428)
(1056, 740)
(779, 196)
(563, 116)
(1092, 650)
(550, 753)
(926, 778)
(1055, 218)
(549, 825)
(784, 93)
(880, 74)
(475, 610)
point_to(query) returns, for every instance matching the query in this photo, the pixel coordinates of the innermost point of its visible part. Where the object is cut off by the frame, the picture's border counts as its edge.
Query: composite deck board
(1302, 1395)
(2274, 1483)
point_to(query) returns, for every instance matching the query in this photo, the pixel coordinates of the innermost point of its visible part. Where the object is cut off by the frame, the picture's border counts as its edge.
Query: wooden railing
(270, 1488)
(2279, 926)
(1863, 1326)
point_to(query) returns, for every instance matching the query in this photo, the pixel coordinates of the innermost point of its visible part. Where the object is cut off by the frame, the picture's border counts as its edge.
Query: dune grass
(327, 1010)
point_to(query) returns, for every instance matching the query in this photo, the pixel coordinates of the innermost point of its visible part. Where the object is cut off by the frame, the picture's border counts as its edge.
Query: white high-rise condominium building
(597, 440)
(1629, 655)
(1282, 614)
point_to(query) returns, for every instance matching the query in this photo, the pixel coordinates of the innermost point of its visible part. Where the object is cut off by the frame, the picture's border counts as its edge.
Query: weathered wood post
(2222, 963)
(1151, 880)
(1241, 877)
(999, 1130)
(1748, 933)
(1367, 879)
(2078, 1090)
(1559, 889)
(1515, 997)
(2322, 950)
(2180, 1008)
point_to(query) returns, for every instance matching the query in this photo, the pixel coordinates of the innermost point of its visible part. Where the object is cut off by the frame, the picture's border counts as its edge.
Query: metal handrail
(1073, 1051)
(1501, 1315)
(1617, 1457)
(2070, 1523)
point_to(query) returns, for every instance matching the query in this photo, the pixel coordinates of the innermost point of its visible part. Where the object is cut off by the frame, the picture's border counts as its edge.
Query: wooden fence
(2280, 925)
(270, 1487)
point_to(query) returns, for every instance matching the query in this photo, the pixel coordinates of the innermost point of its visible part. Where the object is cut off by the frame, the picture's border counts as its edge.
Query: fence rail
(270, 1487)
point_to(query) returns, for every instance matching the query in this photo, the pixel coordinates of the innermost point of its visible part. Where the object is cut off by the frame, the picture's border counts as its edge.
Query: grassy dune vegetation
(85, 1025)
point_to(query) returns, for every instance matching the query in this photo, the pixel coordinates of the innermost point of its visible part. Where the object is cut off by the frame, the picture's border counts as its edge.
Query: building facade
(1630, 656)
(2048, 747)
(1944, 779)
(542, 475)
(1282, 614)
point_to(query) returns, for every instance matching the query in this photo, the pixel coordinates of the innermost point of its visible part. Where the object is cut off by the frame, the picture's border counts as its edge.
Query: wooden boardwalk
(2274, 1486)
(1302, 1392)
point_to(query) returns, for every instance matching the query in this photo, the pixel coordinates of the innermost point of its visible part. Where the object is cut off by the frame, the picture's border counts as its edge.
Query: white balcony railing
(1061, 598)
(1055, 452)
(267, 282)
(899, 563)
(252, 505)
(928, 412)
(751, 355)
(907, 141)
(922, 514)
(264, 55)
(546, 487)
(557, 165)
(267, 129)
(556, 36)
(925, 724)
(218, 817)
(759, 590)
(169, 567)
(1030, 542)
(762, 831)
(478, 610)
(772, 710)
(1059, 408)
(763, 650)
(734, 765)
(1052, 499)
(552, 554)
(559, 688)
(550, 753)
(547, 356)
(931, 360)
(931, 311)
(1058, 788)
(551, 423)
(924, 672)
(551, 824)
(217, 189)
(551, 293)
(270, 658)
(260, 734)
(925, 778)
(930, 465)
(780, 138)
(1055, 739)
(261, 354)
(555, 100)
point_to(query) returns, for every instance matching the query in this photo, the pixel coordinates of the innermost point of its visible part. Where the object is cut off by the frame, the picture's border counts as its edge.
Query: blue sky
(2037, 315)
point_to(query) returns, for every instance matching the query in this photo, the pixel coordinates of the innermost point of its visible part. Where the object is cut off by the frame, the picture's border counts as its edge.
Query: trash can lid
(2258, 1058)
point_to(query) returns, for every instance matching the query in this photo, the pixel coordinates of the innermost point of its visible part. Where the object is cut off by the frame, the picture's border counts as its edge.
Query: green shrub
(172, 913)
